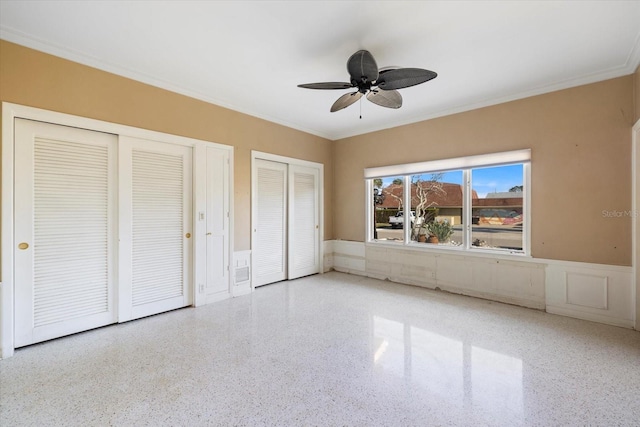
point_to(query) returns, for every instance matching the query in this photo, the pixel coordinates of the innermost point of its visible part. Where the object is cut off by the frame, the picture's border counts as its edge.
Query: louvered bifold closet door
(64, 230)
(304, 224)
(155, 227)
(269, 246)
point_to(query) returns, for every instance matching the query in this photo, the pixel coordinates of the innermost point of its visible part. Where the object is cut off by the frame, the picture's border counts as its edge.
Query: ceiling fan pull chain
(360, 108)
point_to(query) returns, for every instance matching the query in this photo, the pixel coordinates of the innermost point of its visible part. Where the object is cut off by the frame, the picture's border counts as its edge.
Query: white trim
(444, 165)
(635, 223)
(7, 267)
(199, 227)
(12, 111)
(328, 256)
(406, 207)
(526, 208)
(284, 159)
(452, 250)
(622, 269)
(289, 161)
(467, 210)
(231, 222)
(370, 210)
(33, 113)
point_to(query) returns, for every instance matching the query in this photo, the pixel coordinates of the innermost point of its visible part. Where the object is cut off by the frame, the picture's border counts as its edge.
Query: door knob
(187, 235)
(22, 246)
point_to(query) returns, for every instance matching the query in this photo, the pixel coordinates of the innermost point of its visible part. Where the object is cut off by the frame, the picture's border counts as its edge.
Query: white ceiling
(249, 56)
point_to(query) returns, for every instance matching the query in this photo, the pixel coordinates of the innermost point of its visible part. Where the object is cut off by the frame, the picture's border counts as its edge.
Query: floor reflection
(461, 373)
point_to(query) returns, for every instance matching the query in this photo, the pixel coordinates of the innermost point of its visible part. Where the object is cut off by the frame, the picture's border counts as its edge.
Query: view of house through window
(437, 199)
(496, 207)
(490, 198)
(388, 199)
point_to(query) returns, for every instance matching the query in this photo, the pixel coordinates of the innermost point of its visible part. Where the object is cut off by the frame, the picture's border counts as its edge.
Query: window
(476, 203)
(388, 210)
(496, 207)
(438, 200)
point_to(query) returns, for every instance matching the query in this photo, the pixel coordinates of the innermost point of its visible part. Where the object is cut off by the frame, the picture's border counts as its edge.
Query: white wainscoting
(348, 257)
(509, 281)
(327, 248)
(600, 293)
(241, 273)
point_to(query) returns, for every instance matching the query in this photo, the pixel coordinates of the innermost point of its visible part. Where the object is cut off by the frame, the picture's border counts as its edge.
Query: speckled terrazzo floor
(332, 350)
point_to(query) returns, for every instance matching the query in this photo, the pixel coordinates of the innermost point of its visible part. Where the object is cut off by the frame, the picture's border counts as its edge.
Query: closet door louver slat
(303, 221)
(67, 260)
(270, 228)
(157, 225)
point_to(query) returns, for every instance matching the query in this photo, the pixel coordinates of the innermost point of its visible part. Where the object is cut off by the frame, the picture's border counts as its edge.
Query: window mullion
(466, 209)
(370, 210)
(406, 196)
(526, 208)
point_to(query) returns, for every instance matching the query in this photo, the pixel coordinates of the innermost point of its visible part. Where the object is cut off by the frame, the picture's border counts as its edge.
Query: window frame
(466, 165)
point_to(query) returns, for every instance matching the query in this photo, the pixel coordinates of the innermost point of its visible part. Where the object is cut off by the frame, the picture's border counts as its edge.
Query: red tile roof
(451, 196)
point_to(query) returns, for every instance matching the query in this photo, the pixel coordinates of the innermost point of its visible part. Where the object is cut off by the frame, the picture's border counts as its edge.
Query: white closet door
(64, 226)
(269, 246)
(217, 221)
(155, 227)
(304, 226)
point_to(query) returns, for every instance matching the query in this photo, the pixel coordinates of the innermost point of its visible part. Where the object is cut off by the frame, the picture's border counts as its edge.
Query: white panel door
(303, 221)
(155, 227)
(217, 216)
(64, 230)
(269, 246)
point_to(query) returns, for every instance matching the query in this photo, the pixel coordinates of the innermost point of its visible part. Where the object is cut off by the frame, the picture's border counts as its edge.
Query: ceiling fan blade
(345, 100)
(326, 85)
(404, 77)
(386, 98)
(361, 65)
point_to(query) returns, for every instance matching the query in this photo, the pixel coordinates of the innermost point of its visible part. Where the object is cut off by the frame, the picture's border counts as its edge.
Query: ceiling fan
(379, 86)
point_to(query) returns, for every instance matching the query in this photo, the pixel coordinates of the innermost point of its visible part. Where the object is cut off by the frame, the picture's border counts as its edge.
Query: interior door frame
(289, 161)
(635, 214)
(12, 111)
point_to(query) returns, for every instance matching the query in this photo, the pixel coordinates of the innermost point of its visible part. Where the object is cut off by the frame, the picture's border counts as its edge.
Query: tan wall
(580, 141)
(39, 80)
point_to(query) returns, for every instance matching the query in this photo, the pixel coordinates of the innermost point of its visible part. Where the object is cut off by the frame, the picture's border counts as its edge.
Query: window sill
(451, 250)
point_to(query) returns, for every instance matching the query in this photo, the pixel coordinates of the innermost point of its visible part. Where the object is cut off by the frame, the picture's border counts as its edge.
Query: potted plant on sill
(422, 233)
(439, 231)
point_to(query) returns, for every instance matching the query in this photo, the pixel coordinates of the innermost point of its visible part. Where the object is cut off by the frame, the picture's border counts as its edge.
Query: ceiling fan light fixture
(378, 85)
